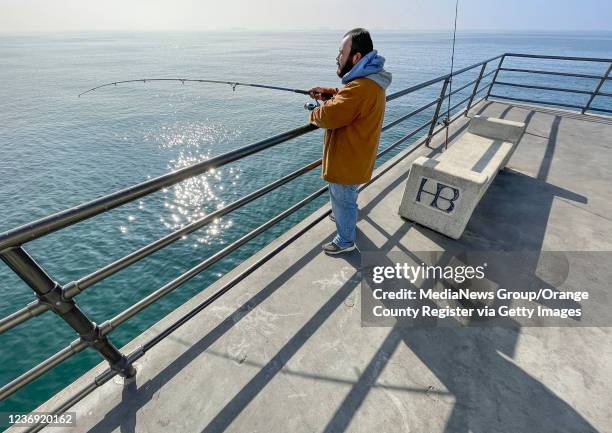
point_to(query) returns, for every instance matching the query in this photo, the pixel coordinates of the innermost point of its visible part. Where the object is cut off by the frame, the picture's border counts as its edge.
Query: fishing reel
(311, 105)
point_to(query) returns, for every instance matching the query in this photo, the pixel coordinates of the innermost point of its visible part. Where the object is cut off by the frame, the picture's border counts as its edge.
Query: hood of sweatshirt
(370, 66)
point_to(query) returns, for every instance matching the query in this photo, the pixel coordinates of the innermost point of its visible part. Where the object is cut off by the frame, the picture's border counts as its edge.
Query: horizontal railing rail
(50, 295)
(569, 58)
(561, 74)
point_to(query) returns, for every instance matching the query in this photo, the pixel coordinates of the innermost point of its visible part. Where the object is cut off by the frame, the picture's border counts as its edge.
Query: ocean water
(58, 150)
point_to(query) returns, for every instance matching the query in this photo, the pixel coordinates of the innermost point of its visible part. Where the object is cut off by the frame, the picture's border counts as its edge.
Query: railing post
(51, 293)
(495, 76)
(598, 88)
(434, 119)
(484, 66)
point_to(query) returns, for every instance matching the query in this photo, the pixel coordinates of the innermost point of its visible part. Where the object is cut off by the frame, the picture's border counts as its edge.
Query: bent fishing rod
(234, 84)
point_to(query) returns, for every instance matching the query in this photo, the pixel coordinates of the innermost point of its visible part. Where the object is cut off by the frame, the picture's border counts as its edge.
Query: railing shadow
(123, 415)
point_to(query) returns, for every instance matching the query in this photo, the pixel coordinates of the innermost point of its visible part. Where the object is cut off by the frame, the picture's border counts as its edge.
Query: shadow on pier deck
(284, 350)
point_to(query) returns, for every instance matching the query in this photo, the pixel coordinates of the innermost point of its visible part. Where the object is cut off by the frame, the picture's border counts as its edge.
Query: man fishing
(352, 117)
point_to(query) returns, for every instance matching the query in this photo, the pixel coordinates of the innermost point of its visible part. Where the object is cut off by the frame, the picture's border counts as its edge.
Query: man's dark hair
(361, 42)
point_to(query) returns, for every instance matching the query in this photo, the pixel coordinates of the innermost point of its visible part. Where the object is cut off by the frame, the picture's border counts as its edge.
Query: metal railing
(601, 79)
(60, 299)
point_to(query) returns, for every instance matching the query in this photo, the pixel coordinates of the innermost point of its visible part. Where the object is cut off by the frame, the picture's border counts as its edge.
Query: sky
(214, 15)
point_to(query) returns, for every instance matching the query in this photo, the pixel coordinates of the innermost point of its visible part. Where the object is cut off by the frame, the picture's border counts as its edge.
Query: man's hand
(321, 93)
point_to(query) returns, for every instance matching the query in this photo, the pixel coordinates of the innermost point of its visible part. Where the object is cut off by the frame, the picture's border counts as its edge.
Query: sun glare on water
(194, 198)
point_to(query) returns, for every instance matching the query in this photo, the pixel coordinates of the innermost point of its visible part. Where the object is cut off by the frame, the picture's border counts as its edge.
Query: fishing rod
(234, 84)
(446, 120)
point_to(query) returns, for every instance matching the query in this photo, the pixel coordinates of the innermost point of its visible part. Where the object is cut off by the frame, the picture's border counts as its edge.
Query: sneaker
(332, 217)
(332, 248)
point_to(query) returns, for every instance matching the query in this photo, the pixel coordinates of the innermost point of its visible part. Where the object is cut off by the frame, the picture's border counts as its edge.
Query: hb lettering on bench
(437, 196)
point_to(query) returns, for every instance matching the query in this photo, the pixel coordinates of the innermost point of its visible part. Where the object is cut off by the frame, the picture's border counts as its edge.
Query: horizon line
(317, 30)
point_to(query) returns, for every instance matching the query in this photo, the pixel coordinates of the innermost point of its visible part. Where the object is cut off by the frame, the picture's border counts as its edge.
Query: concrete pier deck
(284, 350)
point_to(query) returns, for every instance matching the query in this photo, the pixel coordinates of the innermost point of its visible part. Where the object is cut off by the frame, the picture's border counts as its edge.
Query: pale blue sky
(202, 15)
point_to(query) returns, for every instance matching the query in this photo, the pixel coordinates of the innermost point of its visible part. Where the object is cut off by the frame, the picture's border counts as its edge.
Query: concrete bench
(442, 192)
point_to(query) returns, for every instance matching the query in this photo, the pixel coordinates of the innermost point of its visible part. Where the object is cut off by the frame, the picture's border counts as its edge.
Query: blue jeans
(344, 207)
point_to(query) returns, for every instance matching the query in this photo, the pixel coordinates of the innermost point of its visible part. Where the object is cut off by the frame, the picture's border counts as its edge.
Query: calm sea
(58, 150)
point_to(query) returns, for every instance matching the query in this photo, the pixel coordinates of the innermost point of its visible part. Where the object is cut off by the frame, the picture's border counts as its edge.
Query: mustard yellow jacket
(353, 119)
